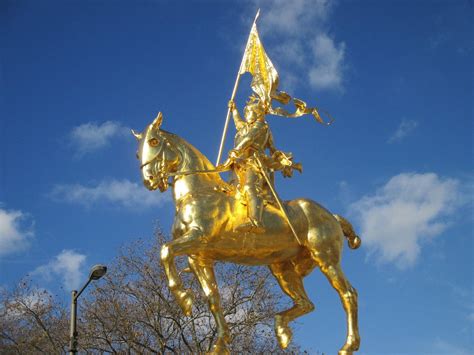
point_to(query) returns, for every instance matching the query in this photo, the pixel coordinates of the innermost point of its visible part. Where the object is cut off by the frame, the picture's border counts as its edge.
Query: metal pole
(73, 330)
(226, 124)
(96, 273)
(83, 288)
(236, 85)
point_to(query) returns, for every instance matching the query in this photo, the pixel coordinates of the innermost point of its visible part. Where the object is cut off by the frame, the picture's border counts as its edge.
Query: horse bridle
(160, 152)
(219, 169)
(151, 160)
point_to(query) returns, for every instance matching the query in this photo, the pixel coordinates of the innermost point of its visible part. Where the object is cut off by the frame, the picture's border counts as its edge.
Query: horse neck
(192, 160)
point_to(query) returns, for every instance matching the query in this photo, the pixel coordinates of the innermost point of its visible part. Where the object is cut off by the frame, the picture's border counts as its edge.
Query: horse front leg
(204, 271)
(186, 244)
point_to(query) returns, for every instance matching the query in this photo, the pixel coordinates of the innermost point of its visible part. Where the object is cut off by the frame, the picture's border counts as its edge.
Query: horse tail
(353, 239)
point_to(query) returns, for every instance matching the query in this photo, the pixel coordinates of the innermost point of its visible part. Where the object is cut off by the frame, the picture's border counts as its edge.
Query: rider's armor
(253, 137)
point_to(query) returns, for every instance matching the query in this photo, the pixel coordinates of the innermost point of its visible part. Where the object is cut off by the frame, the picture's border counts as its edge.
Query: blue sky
(396, 75)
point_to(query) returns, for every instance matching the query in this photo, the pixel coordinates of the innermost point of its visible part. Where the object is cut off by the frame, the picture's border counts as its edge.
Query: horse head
(158, 156)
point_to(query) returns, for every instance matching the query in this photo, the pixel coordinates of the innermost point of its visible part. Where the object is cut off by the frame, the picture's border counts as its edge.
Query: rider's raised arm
(238, 121)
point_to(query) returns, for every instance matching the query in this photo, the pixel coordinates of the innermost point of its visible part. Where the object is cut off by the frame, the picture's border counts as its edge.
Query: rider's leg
(255, 211)
(292, 284)
(252, 189)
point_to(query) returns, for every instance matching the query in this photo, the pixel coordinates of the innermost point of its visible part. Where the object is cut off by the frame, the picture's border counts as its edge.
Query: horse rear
(321, 233)
(325, 236)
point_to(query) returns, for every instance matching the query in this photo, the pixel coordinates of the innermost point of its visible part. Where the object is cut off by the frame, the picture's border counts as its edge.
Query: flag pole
(234, 91)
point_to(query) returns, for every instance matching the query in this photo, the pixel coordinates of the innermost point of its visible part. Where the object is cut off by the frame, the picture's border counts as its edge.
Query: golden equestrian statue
(244, 221)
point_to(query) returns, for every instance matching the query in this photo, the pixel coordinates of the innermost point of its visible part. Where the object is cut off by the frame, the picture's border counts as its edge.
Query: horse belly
(253, 249)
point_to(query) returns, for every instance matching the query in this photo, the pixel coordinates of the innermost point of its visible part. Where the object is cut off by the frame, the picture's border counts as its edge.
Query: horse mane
(194, 159)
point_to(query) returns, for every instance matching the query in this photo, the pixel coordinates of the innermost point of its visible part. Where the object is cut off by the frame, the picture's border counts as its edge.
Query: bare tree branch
(131, 310)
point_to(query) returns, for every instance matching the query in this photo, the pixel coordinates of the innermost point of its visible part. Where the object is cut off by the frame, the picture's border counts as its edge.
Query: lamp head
(97, 272)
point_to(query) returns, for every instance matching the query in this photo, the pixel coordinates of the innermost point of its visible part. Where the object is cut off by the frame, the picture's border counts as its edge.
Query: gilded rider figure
(252, 139)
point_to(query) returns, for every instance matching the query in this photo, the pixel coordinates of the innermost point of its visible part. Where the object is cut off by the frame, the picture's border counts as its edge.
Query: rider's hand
(231, 105)
(233, 154)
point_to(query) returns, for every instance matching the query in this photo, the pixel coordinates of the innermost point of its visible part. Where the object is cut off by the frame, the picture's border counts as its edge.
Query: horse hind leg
(348, 296)
(291, 282)
(204, 272)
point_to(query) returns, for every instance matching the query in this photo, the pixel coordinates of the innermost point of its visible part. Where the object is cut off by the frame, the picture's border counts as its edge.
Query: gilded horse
(203, 230)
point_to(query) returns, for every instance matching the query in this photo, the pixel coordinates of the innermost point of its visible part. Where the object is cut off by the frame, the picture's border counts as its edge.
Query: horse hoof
(352, 344)
(283, 333)
(185, 300)
(219, 349)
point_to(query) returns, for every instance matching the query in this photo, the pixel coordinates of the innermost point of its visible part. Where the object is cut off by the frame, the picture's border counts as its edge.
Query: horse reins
(221, 169)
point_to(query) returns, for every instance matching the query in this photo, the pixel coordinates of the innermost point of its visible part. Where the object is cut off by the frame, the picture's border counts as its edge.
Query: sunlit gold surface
(265, 82)
(232, 96)
(208, 210)
(243, 220)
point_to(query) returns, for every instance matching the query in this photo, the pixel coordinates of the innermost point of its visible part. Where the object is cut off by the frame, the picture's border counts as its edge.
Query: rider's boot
(255, 213)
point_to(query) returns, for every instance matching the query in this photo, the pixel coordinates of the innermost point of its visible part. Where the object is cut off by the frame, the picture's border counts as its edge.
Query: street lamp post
(96, 273)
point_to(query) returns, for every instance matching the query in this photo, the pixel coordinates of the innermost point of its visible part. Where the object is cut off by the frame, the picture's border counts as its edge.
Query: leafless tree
(131, 310)
(31, 321)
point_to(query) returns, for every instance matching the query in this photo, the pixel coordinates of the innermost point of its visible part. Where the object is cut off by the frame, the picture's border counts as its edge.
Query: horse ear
(138, 136)
(158, 120)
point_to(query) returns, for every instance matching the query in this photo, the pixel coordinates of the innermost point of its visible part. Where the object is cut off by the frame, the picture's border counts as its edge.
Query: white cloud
(299, 31)
(443, 347)
(13, 236)
(36, 299)
(410, 207)
(119, 192)
(292, 18)
(329, 58)
(67, 266)
(403, 130)
(345, 193)
(89, 137)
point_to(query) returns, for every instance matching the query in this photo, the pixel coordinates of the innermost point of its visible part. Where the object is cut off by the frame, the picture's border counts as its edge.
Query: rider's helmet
(254, 109)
